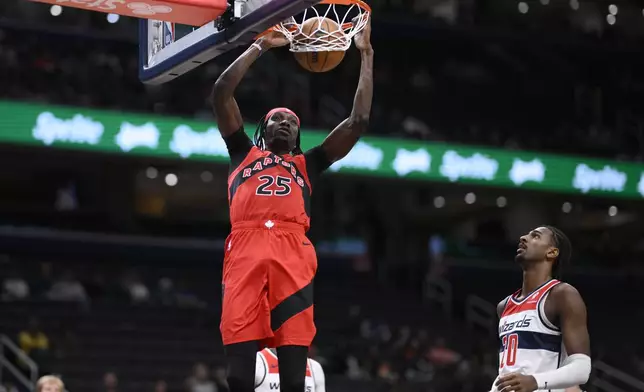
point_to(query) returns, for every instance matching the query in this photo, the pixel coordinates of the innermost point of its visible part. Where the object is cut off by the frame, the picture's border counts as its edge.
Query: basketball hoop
(350, 15)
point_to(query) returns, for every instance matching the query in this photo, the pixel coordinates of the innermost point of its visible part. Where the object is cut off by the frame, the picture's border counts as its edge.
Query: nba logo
(168, 33)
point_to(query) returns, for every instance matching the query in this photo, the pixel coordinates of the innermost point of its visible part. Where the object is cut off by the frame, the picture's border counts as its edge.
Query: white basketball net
(320, 40)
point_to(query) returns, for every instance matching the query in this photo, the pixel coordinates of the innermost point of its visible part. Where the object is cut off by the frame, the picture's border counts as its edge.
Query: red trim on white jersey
(273, 364)
(530, 302)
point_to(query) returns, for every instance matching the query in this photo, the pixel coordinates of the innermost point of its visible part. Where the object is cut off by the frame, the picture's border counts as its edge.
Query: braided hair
(260, 138)
(561, 242)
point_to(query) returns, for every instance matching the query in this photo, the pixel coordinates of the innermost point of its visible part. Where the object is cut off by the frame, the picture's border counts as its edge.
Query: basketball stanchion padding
(187, 12)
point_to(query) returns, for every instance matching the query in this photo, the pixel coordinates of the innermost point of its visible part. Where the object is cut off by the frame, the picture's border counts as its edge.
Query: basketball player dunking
(542, 327)
(267, 373)
(269, 263)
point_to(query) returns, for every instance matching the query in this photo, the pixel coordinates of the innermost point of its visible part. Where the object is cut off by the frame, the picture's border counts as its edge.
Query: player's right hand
(516, 382)
(274, 39)
(363, 38)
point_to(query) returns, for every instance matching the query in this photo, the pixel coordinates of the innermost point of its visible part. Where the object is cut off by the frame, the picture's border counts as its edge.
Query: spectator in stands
(50, 384)
(220, 377)
(110, 382)
(354, 370)
(166, 294)
(385, 372)
(170, 295)
(441, 355)
(200, 380)
(33, 340)
(437, 256)
(186, 298)
(135, 288)
(161, 386)
(14, 287)
(8, 387)
(68, 289)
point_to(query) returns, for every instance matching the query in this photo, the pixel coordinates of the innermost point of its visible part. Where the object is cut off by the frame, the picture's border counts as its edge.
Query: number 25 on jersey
(510, 346)
(273, 186)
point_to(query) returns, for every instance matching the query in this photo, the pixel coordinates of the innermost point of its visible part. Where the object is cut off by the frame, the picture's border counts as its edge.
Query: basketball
(323, 61)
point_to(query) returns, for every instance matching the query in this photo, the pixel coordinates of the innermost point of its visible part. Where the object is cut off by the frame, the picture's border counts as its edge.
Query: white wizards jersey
(267, 377)
(530, 343)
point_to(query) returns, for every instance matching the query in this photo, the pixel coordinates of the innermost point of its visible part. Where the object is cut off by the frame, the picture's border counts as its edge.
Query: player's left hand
(363, 38)
(516, 382)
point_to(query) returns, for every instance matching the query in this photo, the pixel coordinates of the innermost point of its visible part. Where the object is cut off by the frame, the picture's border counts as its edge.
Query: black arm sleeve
(239, 145)
(316, 162)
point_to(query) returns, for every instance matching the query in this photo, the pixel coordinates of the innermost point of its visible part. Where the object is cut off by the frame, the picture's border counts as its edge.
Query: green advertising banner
(167, 137)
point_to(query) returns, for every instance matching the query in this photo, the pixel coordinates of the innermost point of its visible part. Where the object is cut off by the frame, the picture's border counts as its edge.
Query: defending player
(269, 264)
(542, 327)
(267, 373)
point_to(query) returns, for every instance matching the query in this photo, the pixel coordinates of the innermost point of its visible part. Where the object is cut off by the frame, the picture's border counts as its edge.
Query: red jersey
(263, 186)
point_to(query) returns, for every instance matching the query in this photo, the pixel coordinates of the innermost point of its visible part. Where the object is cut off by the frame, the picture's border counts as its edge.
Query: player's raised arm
(342, 139)
(229, 119)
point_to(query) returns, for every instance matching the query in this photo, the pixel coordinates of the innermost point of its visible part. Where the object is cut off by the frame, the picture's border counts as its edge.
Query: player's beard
(280, 145)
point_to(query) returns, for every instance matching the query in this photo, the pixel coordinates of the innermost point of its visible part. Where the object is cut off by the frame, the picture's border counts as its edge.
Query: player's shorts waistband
(269, 225)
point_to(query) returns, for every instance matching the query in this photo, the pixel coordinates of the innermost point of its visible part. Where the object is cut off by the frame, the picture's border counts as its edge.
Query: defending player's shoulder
(566, 297)
(316, 367)
(261, 369)
(500, 307)
(317, 374)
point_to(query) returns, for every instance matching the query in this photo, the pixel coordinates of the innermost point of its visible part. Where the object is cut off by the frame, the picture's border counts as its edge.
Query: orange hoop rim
(344, 26)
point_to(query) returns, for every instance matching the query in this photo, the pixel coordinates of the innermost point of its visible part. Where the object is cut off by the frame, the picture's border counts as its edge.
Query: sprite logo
(77, 130)
(606, 179)
(186, 142)
(524, 171)
(409, 161)
(477, 167)
(131, 136)
(362, 156)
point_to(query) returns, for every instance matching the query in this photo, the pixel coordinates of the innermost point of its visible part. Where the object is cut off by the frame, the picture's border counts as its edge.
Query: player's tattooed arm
(342, 139)
(571, 311)
(229, 118)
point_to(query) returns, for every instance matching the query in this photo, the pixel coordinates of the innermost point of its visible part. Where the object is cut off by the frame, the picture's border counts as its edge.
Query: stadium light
(171, 179)
(612, 9)
(151, 172)
(55, 10)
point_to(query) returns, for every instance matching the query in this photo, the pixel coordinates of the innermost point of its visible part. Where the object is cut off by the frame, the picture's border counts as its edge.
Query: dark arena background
(490, 117)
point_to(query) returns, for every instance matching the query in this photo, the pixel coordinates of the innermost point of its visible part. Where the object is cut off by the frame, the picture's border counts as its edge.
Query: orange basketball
(324, 29)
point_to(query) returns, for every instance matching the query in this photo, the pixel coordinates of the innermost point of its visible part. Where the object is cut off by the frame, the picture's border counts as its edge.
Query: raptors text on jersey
(266, 186)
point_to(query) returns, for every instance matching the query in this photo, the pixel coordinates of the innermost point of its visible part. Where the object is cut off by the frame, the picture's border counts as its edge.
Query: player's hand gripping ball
(516, 382)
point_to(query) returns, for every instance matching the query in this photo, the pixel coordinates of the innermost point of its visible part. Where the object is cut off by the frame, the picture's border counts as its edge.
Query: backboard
(167, 50)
